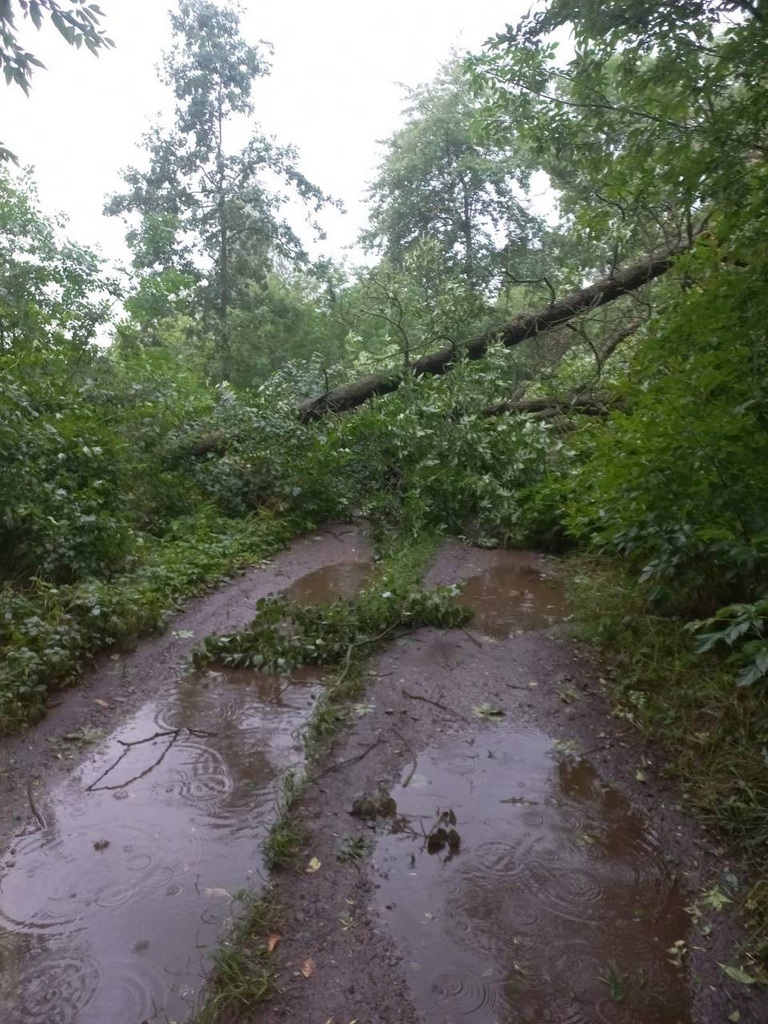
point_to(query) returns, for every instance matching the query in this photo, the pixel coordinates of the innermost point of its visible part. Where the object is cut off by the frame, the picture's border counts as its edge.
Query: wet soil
(118, 872)
(537, 866)
(522, 888)
(494, 847)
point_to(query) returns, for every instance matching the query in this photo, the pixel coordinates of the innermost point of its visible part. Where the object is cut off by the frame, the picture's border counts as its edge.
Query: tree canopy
(205, 224)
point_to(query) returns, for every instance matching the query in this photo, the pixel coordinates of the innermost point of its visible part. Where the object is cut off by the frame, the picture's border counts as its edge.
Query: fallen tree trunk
(525, 326)
(543, 408)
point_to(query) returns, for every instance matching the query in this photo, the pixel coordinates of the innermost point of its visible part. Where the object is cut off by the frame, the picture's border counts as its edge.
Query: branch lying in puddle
(434, 703)
(33, 805)
(130, 744)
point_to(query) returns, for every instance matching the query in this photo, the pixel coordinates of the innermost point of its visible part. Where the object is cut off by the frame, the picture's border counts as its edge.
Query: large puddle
(521, 889)
(110, 908)
(512, 596)
(330, 583)
(107, 915)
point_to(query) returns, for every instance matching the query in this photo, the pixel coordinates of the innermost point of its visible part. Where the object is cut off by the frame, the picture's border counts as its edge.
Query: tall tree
(438, 181)
(657, 116)
(204, 211)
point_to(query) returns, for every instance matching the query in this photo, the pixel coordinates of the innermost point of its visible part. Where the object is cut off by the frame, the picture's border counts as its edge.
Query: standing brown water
(511, 597)
(107, 915)
(547, 900)
(519, 887)
(330, 583)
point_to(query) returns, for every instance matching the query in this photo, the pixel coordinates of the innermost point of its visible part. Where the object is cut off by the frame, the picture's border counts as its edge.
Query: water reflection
(330, 583)
(106, 916)
(557, 904)
(512, 596)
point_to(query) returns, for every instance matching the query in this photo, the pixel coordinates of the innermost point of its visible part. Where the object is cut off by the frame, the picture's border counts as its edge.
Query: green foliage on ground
(49, 632)
(286, 634)
(244, 968)
(711, 734)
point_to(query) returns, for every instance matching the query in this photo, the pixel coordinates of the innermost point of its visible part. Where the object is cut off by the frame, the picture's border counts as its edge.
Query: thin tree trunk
(469, 253)
(524, 326)
(224, 283)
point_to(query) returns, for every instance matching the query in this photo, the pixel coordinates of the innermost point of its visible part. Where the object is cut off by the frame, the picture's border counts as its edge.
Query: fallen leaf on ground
(100, 702)
(272, 941)
(314, 865)
(737, 974)
(487, 711)
(308, 968)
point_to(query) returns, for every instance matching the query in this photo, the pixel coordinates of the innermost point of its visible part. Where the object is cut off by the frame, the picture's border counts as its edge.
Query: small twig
(411, 773)
(435, 703)
(408, 747)
(40, 819)
(380, 636)
(474, 639)
(279, 694)
(128, 744)
(148, 739)
(350, 760)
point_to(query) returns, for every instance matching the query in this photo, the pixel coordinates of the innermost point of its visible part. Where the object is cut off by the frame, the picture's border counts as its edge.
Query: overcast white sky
(333, 93)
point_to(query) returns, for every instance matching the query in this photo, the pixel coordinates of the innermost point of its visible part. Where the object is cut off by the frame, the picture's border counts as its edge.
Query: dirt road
(504, 850)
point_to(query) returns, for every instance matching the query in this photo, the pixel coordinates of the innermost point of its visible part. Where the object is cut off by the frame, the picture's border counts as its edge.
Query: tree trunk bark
(543, 408)
(524, 326)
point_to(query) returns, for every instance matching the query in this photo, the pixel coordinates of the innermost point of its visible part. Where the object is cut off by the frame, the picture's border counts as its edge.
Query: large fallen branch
(525, 326)
(544, 408)
(586, 404)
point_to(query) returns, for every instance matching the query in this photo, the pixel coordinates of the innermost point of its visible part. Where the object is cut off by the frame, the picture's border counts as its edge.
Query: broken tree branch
(525, 326)
(542, 408)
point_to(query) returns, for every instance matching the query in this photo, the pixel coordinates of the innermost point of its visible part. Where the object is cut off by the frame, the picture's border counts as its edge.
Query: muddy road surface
(503, 852)
(137, 809)
(516, 855)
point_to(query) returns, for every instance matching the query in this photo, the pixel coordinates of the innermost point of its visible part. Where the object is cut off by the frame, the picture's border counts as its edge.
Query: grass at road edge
(48, 634)
(712, 733)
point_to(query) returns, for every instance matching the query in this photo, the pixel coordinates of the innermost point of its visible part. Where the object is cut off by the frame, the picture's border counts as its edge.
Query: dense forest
(590, 382)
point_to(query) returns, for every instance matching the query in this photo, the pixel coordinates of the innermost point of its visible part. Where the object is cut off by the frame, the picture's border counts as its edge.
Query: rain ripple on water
(106, 916)
(557, 906)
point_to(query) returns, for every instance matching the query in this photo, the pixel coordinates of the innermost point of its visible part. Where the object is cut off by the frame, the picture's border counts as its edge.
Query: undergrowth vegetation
(712, 734)
(136, 473)
(49, 632)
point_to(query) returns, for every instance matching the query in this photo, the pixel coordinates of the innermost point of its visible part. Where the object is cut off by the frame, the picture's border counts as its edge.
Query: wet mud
(527, 861)
(116, 878)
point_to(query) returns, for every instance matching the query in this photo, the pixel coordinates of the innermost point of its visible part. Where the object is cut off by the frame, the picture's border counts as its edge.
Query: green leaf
(737, 974)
